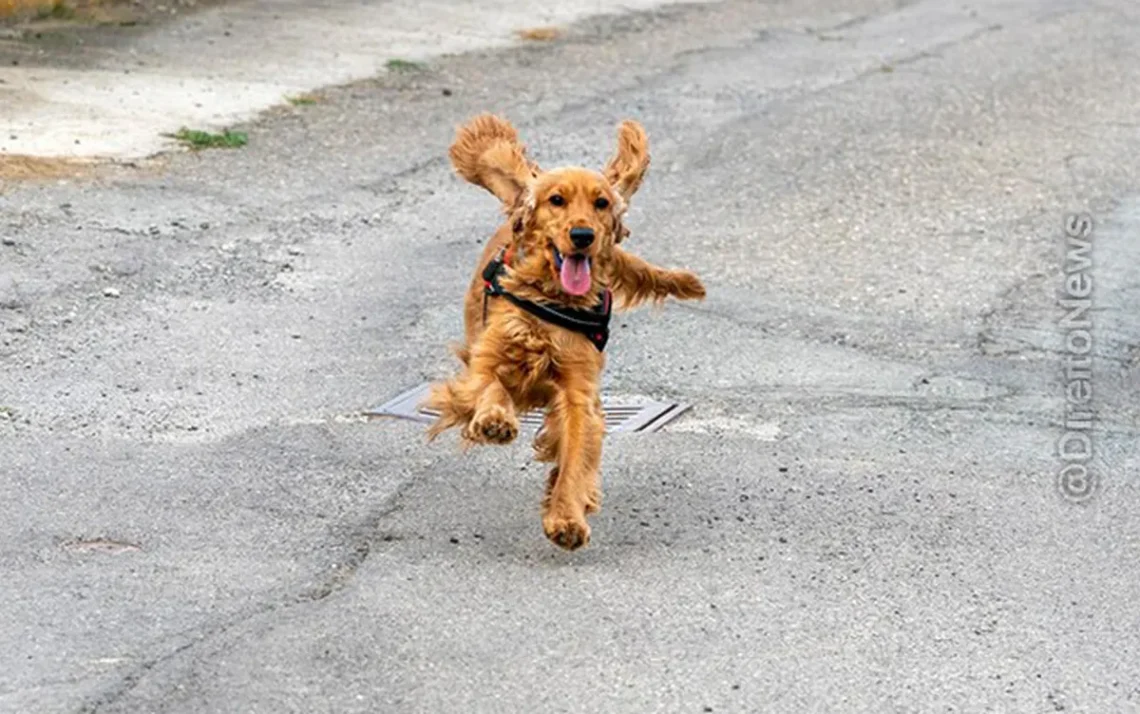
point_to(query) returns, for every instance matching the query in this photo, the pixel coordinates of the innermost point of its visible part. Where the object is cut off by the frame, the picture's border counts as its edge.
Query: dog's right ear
(487, 153)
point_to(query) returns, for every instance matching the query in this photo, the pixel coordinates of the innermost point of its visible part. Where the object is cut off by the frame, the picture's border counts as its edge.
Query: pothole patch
(100, 545)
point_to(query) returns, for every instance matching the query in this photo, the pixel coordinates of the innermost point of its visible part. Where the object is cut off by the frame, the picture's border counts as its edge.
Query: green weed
(196, 139)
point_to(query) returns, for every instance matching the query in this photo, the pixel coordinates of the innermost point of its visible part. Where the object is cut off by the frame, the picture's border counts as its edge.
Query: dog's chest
(538, 355)
(531, 353)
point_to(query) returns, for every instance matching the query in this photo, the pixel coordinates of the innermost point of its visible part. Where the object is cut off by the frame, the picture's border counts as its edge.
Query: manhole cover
(621, 414)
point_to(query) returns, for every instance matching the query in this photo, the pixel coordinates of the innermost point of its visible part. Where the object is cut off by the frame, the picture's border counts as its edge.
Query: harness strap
(594, 324)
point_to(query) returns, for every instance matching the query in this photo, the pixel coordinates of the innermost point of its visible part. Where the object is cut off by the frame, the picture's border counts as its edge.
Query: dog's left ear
(627, 167)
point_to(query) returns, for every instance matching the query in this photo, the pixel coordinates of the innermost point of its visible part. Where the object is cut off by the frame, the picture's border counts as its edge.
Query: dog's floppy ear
(520, 214)
(487, 153)
(627, 167)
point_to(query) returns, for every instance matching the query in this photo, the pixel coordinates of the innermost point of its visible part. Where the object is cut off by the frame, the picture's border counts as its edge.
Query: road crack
(366, 538)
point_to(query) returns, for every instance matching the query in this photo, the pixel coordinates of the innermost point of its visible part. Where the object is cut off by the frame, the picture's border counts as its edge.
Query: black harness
(593, 323)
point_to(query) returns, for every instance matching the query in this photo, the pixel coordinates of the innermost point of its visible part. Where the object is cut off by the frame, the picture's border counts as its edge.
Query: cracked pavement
(861, 513)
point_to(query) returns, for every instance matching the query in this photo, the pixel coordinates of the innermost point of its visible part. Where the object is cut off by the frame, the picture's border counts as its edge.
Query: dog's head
(565, 221)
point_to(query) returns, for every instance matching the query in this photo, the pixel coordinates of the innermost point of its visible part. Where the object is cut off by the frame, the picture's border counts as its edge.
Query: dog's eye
(557, 200)
(601, 202)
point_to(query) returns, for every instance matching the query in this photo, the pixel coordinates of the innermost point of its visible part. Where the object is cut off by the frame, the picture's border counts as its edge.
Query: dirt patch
(540, 34)
(23, 168)
(48, 11)
(45, 14)
(22, 8)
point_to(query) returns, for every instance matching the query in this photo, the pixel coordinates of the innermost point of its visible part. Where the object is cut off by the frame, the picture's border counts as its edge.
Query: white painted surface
(227, 64)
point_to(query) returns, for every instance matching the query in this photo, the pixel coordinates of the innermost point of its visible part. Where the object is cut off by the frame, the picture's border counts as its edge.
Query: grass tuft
(302, 100)
(196, 139)
(58, 10)
(402, 65)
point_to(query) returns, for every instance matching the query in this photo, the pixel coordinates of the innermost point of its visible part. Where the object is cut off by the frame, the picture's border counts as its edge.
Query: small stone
(111, 292)
(8, 240)
(125, 267)
(294, 250)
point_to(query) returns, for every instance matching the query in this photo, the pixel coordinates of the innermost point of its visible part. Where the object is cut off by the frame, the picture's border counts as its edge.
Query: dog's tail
(487, 152)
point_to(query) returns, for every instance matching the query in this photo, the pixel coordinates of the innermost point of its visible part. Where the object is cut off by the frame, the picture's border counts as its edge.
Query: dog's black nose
(582, 237)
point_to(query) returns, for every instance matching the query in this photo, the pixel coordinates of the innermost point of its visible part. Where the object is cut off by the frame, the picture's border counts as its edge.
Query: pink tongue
(576, 275)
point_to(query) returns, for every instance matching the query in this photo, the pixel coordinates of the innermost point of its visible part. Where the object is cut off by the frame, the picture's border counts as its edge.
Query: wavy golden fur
(514, 362)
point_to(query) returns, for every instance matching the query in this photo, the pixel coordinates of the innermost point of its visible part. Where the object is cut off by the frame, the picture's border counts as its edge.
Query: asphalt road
(862, 513)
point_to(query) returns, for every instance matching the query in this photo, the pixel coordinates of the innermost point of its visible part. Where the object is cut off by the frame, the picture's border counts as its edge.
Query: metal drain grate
(620, 415)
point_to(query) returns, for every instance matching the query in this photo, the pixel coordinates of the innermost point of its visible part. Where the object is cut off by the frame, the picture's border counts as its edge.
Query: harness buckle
(492, 269)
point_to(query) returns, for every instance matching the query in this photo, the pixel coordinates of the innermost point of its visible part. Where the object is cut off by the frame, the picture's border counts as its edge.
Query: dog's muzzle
(581, 237)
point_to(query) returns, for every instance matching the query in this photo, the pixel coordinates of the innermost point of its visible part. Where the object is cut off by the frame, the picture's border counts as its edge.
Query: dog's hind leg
(547, 439)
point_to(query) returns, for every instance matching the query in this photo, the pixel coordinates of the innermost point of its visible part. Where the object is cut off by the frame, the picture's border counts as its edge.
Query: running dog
(538, 308)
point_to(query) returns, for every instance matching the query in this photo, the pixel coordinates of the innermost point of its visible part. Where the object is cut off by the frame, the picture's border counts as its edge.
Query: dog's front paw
(687, 286)
(494, 425)
(569, 531)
